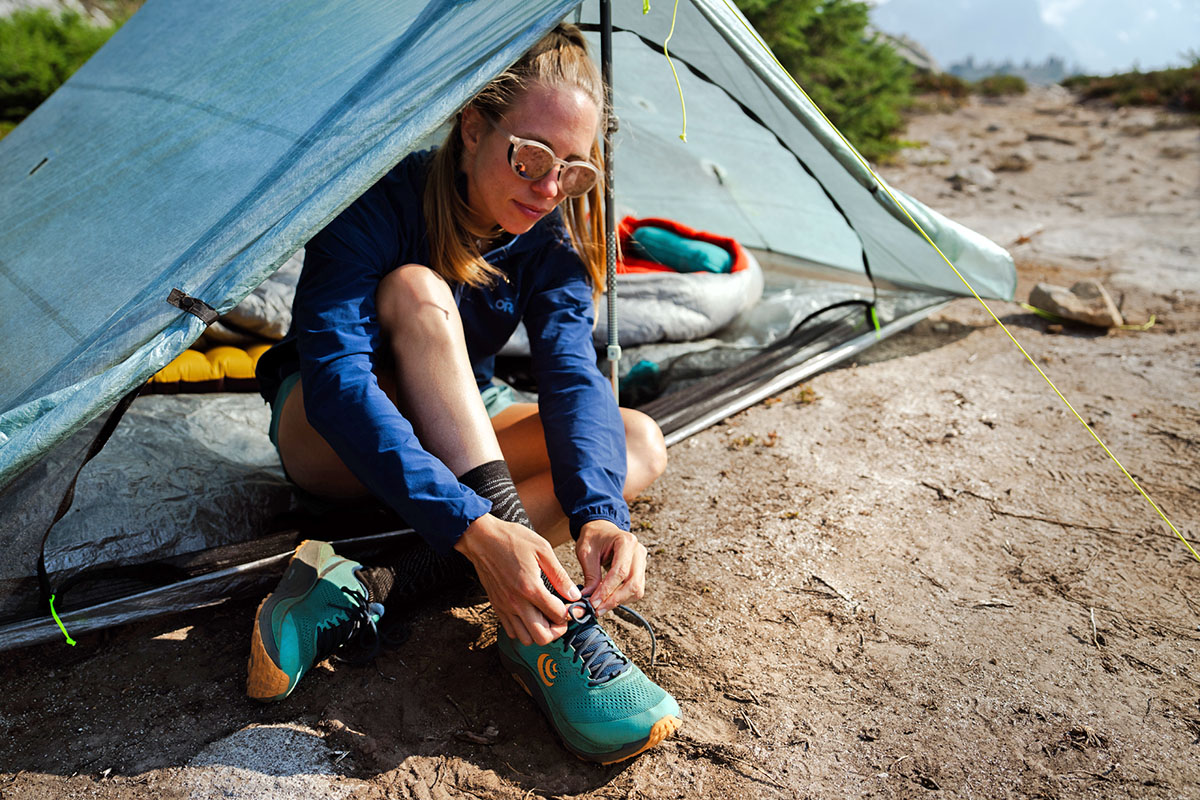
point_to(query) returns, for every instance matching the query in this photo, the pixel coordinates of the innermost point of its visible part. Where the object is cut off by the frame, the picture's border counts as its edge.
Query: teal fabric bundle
(679, 253)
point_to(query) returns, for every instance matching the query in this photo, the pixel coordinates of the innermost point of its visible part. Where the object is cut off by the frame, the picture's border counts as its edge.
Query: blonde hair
(560, 59)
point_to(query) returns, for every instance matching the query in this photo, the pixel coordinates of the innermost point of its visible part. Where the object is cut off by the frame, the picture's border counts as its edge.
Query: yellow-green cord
(671, 64)
(61, 627)
(971, 289)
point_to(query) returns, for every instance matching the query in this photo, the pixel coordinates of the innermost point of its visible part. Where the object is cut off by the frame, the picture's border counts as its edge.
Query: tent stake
(610, 234)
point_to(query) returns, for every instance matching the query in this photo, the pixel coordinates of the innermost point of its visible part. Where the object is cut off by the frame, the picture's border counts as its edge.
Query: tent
(206, 142)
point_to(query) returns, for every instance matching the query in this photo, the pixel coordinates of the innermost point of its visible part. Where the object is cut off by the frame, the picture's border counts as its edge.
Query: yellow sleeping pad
(221, 369)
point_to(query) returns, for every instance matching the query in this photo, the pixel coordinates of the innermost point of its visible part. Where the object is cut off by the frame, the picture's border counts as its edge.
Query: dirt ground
(916, 576)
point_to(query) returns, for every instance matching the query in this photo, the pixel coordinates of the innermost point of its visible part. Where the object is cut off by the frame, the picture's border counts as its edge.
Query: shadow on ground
(165, 692)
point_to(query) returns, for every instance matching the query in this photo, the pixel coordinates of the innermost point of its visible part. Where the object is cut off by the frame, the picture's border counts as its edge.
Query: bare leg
(523, 441)
(435, 389)
(433, 386)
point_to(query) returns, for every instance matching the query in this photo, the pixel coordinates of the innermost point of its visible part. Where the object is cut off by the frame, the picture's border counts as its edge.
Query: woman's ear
(473, 127)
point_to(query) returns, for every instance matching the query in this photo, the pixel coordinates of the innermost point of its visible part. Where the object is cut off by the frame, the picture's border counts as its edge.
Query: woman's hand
(510, 560)
(603, 544)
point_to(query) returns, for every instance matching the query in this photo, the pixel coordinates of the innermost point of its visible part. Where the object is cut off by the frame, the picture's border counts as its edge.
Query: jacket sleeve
(338, 337)
(585, 435)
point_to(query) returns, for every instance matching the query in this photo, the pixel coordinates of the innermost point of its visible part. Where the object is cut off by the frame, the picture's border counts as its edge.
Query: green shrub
(1000, 85)
(943, 83)
(1176, 89)
(860, 83)
(38, 51)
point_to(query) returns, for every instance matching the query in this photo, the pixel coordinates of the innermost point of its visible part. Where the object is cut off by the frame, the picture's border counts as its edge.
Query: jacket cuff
(618, 517)
(446, 535)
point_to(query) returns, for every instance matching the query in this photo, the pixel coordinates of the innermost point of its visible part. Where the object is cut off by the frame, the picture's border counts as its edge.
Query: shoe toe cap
(614, 734)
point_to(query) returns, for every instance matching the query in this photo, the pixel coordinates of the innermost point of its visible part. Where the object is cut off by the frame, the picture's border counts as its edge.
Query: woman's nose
(547, 185)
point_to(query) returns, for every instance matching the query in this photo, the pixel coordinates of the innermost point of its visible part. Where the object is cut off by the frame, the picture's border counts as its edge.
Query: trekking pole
(610, 234)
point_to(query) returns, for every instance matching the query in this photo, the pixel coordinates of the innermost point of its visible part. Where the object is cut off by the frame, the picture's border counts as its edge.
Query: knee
(646, 446)
(413, 300)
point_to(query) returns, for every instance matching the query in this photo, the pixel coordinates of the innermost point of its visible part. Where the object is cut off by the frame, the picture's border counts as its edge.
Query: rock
(1087, 302)
(283, 761)
(926, 157)
(1175, 152)
(1137, 122)
(1019, 159)
(974, 175)
(1033, 136)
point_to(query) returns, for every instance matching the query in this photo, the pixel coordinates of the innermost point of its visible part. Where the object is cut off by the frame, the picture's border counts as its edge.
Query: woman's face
(564, 119)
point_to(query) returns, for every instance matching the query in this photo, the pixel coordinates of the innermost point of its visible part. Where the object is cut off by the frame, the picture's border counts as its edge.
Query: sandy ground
(917, 576)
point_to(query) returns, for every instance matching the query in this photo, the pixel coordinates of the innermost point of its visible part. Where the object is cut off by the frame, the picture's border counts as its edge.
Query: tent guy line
(59, 622)
(671, 64)
(970, 288)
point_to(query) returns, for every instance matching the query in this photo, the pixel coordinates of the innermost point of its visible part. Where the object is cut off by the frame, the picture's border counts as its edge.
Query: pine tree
(861, 84)
(38, 51)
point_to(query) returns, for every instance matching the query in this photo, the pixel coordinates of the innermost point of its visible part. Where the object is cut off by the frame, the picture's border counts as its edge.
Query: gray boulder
(1018, 159)
(973, 176)
(1087, 302)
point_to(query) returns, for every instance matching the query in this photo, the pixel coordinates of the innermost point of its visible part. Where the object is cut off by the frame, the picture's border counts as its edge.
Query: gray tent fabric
(207, 142)
(197, 150)
(266, 313)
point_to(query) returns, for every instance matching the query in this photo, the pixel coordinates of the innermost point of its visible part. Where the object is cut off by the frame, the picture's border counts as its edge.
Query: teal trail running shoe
(318, 606)
(601, 705)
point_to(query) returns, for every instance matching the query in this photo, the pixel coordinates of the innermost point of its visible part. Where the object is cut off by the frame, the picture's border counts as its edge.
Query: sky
(1102, 36)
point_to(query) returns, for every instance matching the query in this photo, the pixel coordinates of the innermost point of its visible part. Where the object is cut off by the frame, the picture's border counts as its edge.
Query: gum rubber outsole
(265, 680)
(659, 731)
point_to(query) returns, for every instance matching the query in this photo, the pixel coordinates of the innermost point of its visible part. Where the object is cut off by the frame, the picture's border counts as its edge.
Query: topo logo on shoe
(547, 669)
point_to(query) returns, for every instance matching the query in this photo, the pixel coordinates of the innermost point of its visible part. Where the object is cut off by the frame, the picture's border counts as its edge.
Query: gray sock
(492, 481)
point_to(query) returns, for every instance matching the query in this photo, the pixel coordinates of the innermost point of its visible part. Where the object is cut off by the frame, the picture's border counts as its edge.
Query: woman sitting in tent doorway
(384, 386)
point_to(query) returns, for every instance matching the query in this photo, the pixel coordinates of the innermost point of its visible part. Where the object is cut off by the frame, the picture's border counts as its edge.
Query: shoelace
(361, 617)
(594, 647)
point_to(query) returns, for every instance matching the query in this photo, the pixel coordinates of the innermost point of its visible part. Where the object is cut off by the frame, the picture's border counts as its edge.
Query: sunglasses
(532, 161)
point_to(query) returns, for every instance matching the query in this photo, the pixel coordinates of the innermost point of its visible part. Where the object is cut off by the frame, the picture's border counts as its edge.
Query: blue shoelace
(595, 648)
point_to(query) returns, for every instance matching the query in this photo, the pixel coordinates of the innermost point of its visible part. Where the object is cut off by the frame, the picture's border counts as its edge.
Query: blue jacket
(335, 342)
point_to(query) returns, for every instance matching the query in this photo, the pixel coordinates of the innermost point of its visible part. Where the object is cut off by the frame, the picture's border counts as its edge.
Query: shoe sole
(659, 731)
(266, 681)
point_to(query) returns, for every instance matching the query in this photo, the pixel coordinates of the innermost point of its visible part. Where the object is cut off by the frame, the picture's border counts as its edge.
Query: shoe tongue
(599, 653)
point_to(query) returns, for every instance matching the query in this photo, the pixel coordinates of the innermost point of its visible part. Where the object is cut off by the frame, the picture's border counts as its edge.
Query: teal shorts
(496, 398)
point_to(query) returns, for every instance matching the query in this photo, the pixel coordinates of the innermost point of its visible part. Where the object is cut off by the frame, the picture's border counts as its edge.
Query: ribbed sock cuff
(378, 582)
(492, 481)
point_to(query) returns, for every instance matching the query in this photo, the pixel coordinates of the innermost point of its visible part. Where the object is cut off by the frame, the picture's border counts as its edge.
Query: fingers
(510, 560)
(541, 629)
(528, 614)
(589, 560)
(540, 609)
(558, 576)
(625, 579)
(514, 627)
